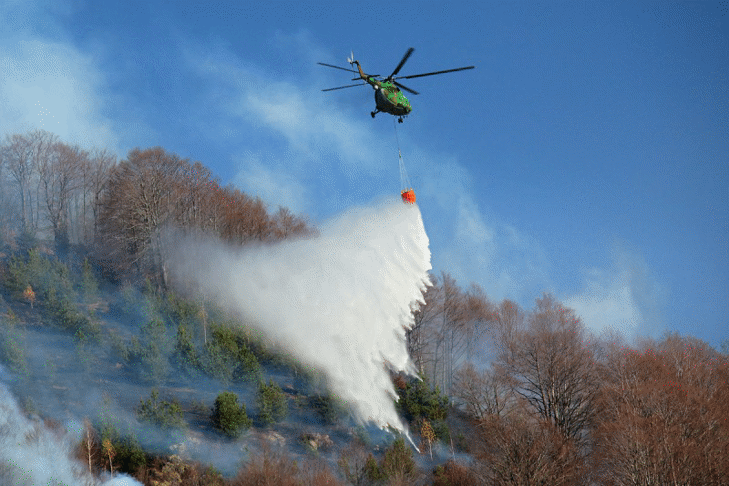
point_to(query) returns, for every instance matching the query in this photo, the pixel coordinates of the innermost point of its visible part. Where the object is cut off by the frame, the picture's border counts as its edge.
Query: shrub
(127, 455)
(329, 407)
(163, 414)
(248, 368)
(272, 403)
(152, 356)
(453, 474)
(398, 460)
(228, 416)
(12, 350)
(184, 355)
(418, 401)
(89, 285)
(217, 363)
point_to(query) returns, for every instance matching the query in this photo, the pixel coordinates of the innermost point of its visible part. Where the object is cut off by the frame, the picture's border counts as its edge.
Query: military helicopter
(388, 97)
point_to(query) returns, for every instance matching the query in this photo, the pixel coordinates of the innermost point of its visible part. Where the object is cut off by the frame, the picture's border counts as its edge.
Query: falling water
(340, 301)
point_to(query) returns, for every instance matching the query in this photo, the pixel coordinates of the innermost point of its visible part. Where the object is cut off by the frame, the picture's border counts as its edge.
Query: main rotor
(393, 76)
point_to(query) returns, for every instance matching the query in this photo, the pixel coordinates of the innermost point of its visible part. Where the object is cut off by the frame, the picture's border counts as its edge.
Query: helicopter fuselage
(388, 94)
(389, 98)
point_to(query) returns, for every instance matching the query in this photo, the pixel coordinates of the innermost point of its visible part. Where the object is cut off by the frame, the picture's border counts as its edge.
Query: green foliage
(218, 363)
(247, 368)
(119, 346)
(184, 356)
(418, 401)
(163, 414)
(181, 311)
(89, 286)
(129, 456)
(12, 349)
(43, 274)
(27, 240)
(228, 417)
(272, 403)
(398, 460)
(397, 466)
(372, 470)
(51, 281)
(150, 352)
(129, 298)
(329, 407)
(228, 357)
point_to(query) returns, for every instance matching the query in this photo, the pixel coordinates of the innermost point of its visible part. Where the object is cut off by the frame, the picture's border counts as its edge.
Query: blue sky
(586, 155)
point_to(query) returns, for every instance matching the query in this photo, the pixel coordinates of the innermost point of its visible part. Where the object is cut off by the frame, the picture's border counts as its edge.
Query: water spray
(340, 302)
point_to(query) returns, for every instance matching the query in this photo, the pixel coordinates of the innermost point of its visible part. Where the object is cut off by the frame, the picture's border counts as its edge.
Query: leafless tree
(482, 393)
(95, 175)
(665, 419)
(288, 224)
(551, 365)
(519, 450)
(448, 329)
(60, 175)
(424, 317)
(139, 201)
(21, 155)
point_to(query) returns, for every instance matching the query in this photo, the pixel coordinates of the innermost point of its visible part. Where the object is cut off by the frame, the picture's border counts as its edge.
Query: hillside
(156, 327)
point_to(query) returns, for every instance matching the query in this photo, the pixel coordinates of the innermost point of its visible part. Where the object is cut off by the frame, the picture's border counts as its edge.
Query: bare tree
(139, 201)
(518, 450)
(287, 224)
(483, 393)
(424, 317)
(551, 365)
(21, 155)
(448, 329)
(60, 175)
(665, 415)
(95, 176)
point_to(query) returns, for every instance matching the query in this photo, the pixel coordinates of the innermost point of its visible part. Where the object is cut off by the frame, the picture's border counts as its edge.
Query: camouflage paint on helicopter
(388, 94)
(389, 98)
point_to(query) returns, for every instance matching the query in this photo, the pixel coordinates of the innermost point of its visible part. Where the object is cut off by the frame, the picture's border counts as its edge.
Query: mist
(31, 453)
(340, 301)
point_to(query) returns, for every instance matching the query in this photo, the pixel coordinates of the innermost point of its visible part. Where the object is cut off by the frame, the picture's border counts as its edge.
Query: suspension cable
(404, 179)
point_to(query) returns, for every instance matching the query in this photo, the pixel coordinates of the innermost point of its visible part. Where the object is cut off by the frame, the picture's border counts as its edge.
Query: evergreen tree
(228, 416)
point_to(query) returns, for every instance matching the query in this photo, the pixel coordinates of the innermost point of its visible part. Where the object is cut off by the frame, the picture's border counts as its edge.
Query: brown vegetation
(547, 403)
(73, 196)
(667, 409)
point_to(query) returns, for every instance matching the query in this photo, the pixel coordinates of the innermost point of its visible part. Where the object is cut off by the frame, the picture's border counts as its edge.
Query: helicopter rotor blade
(335, 67)
(435, 72)
(348, 86)
(402, 63)
(405, 88)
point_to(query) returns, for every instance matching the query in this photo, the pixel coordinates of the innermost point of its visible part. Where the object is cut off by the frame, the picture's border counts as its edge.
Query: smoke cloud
(31, 454)
(338, 301)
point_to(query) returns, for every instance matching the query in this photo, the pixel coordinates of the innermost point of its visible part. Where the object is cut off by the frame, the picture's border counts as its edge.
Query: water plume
(340, 302)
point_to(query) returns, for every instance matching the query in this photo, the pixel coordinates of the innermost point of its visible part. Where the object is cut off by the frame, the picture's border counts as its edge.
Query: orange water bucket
(408, 196)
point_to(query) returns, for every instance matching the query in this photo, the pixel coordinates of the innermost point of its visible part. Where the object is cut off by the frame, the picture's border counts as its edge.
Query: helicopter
(388, 94)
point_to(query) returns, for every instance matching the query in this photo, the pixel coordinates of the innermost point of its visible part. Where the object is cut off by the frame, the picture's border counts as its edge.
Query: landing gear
(399, 120)
(373, 113)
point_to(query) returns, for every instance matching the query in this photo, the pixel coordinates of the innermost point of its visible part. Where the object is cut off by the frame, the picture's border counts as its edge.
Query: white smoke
(337, 301)
(32, 454)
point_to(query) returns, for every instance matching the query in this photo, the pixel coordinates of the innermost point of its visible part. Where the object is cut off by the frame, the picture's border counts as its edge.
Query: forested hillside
(170, 389)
